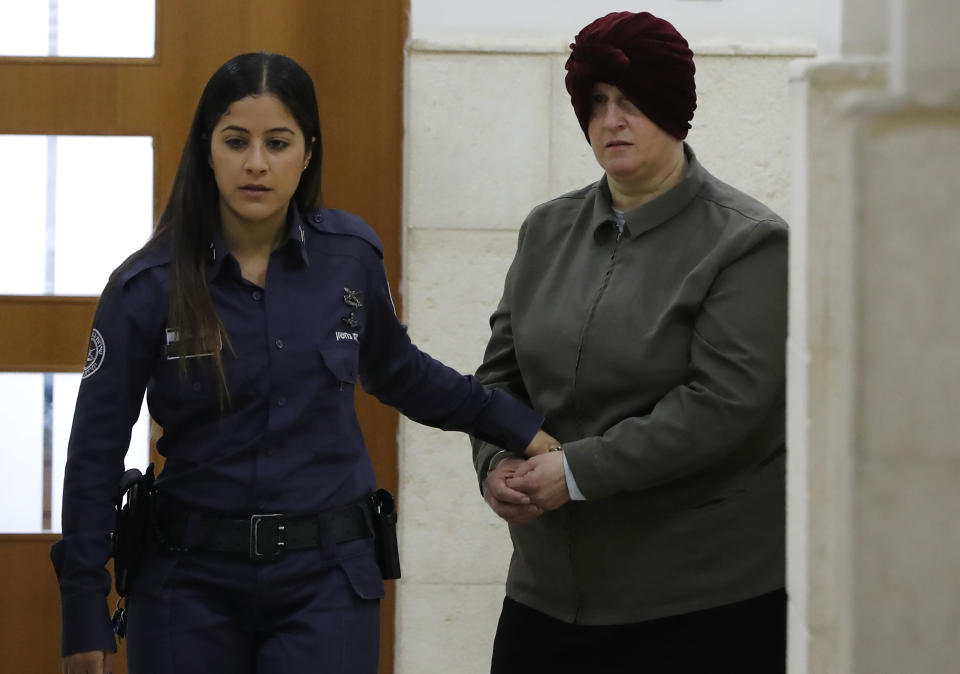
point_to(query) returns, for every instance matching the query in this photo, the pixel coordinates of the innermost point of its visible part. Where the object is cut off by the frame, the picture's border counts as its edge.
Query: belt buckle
(255, 521)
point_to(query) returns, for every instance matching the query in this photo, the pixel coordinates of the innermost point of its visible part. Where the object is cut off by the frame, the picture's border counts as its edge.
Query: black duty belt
(261, 536)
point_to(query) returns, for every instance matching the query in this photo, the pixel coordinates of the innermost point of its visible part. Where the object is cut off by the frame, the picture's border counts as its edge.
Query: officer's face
(258, 154)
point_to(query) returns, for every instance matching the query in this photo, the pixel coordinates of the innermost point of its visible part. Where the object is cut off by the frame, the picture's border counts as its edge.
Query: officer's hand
(541, 444)
(90, 662)
(511, 505)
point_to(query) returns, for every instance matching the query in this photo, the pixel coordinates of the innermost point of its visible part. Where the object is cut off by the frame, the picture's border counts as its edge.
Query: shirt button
(196, 386)
(317, 217)
(271, 451)
(281, 402)
(257, 295)
(279, 343)
(261, 505)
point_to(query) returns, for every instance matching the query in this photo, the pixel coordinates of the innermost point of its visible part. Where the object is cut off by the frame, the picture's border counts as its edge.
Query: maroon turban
(645, 58)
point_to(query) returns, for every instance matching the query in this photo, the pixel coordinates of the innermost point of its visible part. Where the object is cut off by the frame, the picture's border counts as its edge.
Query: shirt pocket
(341, 363)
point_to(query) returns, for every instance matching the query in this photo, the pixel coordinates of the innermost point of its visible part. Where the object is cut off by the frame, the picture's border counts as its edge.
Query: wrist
(497, 459)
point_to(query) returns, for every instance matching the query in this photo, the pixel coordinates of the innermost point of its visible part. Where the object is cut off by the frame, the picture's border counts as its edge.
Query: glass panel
(36, 413)
(113, 28)
(91, 28)
(21, 478)
(72, 208)
(23, 189)
(104, 208)
(24, 28)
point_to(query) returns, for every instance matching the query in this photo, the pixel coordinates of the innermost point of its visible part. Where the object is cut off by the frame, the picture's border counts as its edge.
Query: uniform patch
(352, 298)
(96, 352)
(347, 336)
(171, 347)
(351, 320)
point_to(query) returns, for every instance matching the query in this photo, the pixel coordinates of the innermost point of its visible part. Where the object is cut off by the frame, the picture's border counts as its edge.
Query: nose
(612, 115)
(256, 159)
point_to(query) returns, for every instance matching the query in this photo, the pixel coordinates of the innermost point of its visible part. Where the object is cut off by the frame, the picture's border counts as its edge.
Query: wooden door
(354, 51)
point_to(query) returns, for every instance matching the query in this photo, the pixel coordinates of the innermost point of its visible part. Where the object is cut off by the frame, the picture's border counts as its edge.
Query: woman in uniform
(248, 318)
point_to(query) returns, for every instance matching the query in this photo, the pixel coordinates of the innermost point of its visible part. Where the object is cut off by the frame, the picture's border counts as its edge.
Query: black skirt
(747, 637)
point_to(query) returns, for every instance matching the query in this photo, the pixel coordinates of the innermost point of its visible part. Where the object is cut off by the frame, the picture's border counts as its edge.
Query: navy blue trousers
(748, 637)
(306, 612)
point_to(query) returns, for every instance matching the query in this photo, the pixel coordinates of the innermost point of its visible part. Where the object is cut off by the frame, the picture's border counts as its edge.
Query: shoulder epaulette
(335, 221)
(153, 255)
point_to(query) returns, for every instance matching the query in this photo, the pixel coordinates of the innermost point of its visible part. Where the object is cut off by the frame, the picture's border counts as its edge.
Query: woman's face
(625, 142)
(258, 153)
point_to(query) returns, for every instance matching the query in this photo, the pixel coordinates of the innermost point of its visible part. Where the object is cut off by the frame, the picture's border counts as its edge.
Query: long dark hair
(192, 214)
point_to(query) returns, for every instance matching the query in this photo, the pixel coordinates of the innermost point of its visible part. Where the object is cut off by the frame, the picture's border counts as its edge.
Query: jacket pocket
(719, 501)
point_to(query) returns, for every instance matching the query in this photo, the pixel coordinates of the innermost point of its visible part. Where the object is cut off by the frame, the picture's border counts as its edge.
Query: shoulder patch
(96, 353)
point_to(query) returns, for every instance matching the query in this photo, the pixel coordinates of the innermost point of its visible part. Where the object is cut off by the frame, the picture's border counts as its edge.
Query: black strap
(261, 536)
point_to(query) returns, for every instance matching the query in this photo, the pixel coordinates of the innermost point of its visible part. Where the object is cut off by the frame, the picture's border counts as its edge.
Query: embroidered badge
(96, 352)
(352, 298)
(347, 336)
(351, 320)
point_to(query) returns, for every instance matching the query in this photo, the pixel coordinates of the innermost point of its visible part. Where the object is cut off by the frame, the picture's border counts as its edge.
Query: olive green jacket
(658, 359)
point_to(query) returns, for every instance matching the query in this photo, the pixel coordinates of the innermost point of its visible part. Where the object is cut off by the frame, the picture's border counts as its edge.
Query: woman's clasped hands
(520, 490)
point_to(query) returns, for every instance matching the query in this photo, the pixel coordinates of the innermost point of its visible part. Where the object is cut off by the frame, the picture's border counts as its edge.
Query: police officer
(248, 318)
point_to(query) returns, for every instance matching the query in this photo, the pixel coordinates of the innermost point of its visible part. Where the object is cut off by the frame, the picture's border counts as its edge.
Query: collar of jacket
(294, 244)
(653, 213)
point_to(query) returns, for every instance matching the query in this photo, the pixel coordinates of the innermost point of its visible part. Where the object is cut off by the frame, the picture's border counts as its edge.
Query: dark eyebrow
(280, 129)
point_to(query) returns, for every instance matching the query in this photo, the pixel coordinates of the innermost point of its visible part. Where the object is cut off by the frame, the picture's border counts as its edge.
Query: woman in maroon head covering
(645, 316)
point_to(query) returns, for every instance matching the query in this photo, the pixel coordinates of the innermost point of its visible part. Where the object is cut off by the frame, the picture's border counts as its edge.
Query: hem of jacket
(617, 615)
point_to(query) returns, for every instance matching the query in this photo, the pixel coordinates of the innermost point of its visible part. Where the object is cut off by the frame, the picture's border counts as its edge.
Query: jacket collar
(653, 213)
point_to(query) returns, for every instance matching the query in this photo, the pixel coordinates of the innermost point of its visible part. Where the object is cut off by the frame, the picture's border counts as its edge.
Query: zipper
(579, 415)
(587, 323)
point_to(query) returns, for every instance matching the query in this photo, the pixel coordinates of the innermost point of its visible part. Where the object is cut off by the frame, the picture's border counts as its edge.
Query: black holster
(131, 536)
(384, 510)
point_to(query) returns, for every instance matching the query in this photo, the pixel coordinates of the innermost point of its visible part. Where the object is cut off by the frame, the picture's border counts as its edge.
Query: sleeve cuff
(585, 457)
(508, 423)
(86, 625)
(572, 488)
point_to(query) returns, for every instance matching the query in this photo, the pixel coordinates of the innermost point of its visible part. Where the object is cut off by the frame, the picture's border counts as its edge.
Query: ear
(309, 154)
(210, 160)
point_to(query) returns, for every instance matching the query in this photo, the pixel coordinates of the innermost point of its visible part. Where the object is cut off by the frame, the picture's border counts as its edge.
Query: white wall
(489, 133)
(723, 23)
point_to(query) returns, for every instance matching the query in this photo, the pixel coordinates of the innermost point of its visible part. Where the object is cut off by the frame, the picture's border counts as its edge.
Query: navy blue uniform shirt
(289, 440)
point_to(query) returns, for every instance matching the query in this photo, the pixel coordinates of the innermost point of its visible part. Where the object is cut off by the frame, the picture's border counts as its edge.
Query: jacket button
(281, 402)
(318, 217)
(279, 343)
